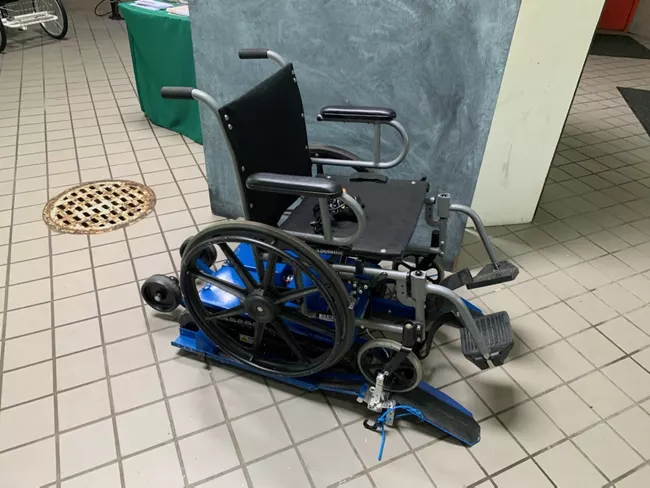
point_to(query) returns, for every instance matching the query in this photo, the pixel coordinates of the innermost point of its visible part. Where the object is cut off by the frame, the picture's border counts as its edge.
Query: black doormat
(639, 102)
(619, 46)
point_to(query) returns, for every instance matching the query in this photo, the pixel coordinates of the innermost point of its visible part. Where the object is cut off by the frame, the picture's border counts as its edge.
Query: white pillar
(546, 58)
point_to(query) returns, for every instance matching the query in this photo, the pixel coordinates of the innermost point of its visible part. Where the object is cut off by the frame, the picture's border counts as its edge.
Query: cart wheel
(373, 357)
(161, 293)
(208, 255)
(3, 36)
(273, 277)
(58, 28)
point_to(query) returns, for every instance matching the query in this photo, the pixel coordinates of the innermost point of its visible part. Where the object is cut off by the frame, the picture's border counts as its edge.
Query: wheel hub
(260, 308)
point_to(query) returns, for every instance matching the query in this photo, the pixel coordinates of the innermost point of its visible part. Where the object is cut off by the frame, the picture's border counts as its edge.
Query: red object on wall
(617, 14)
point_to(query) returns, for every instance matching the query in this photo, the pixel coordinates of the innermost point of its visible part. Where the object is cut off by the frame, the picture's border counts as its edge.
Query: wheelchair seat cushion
(392, 211)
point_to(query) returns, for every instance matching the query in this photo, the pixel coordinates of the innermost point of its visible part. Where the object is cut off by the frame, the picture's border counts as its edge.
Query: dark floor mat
(639, 102)
(619, 46)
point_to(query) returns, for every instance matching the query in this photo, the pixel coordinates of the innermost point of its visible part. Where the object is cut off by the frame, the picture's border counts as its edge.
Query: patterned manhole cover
(100, 206)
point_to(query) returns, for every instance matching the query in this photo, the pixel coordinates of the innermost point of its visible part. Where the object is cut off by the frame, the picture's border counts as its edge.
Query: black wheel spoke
(292, 296)
(259, 263)
(222, 314)
(306, 322)
(257, 338)
(243, 273)
(219, 283)
(284, 332)
(267, 282)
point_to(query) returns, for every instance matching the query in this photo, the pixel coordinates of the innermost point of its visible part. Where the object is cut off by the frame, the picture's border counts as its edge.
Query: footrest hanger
(491, 274)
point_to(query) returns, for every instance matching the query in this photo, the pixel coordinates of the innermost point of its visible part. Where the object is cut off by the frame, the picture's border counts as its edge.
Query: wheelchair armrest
(294, 185)
(348, 113)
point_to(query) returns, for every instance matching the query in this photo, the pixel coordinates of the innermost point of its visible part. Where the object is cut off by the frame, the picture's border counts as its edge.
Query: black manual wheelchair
(320, 286)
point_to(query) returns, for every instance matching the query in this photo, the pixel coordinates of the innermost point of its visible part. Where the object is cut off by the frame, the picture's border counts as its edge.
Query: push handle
(184, 92)
(254, 53)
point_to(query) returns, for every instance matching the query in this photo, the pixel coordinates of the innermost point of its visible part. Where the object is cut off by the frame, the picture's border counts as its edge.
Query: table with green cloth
(161, 50)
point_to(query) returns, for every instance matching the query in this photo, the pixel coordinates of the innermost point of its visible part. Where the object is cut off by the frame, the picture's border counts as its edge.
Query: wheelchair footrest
(497, 332)
(490, 276)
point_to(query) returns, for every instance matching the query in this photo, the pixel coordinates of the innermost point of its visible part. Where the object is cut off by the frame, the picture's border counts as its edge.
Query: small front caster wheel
(161, 293)
(373, 357)
(208, 255)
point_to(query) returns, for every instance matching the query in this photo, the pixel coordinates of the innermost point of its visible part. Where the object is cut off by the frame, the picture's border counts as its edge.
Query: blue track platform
(425, 404)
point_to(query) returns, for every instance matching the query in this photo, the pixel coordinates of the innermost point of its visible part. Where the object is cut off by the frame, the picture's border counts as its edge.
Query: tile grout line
(156, 216)
(10, 237)
(292, 441)
(534, 398)
(151, 342)
(111, 403)
(55, 396)
(169, 168)
(231, 432)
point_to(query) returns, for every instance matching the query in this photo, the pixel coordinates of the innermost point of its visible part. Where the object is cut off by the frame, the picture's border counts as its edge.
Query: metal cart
(19, 14)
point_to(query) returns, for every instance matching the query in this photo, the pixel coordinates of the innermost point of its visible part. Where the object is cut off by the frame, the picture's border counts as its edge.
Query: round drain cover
(100, 206)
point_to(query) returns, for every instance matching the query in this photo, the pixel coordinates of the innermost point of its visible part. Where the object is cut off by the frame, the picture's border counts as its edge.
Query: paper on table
(152, 4)
(183, 10)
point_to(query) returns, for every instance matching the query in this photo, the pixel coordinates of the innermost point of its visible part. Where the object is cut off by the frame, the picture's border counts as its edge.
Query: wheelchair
(319, 285)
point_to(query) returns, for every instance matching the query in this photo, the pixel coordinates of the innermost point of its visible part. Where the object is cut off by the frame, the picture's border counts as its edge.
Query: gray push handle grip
(184, 92)
(254, 53)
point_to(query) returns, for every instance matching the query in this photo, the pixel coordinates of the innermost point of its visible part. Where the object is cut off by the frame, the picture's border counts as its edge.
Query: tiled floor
(92, 394)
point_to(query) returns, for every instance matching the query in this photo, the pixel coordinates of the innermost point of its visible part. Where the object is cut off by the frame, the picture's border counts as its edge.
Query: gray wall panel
(438, 63)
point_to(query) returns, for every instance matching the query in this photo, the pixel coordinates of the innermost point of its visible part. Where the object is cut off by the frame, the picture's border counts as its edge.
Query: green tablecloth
(161, 50)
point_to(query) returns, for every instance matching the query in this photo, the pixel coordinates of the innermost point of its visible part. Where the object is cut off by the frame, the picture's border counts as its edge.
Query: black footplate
(497, 332)
(490, 276)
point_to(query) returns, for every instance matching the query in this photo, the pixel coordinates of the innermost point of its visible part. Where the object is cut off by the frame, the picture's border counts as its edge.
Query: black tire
(273, 346)
(56, 7)
(3, 36)
(161, 293)
(208, 256)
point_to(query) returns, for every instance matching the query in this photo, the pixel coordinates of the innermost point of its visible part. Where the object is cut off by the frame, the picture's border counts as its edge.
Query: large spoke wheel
(58, 28)
(290, 312)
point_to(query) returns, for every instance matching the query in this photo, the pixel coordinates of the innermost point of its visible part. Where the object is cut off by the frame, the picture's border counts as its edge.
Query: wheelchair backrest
(266, 131)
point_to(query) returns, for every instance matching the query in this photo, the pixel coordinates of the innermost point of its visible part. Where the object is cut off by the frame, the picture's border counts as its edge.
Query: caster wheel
(208, 255)
(162, 293)
(373, 357)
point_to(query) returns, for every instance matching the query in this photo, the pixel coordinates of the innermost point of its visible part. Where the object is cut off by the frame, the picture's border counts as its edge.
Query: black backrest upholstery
(266, 130)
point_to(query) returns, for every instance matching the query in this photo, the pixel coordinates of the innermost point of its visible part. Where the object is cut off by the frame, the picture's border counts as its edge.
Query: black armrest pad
(294, 185)
(348, 113)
